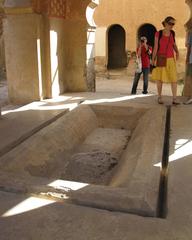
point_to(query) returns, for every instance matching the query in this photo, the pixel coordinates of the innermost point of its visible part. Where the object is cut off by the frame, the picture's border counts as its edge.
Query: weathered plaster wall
(75, 55)
(131, 14)
(101, 41)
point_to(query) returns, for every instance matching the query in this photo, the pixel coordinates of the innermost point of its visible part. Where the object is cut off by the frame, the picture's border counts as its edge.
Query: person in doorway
(144, 51)
(188, 77)
(163, 58)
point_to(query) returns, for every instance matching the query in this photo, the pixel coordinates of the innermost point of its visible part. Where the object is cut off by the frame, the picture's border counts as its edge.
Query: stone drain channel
(101, 156)
(162, 200)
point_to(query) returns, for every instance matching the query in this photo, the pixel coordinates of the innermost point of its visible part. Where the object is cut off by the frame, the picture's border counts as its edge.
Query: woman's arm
(176, 50)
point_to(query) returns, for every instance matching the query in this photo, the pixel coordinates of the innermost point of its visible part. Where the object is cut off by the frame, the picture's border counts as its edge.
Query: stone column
(187, 91)
(75, 28)
(22, 36)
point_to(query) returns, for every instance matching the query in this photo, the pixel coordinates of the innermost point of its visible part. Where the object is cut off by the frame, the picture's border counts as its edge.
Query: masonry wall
(131, 14)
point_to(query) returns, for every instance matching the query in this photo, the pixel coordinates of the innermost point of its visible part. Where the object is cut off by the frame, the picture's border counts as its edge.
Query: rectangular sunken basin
(111, 150)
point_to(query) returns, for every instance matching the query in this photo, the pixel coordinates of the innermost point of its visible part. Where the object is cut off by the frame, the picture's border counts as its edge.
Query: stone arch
(116, 36)
(148, 30)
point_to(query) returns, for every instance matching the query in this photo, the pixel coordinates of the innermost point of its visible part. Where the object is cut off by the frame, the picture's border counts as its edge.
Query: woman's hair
(168, 19)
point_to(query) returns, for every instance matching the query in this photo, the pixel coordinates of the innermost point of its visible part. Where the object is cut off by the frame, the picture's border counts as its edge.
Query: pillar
(187, 91)
(22, 29)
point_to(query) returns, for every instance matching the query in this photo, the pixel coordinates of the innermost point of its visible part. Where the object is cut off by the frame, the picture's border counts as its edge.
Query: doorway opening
(116, 47)
(148, 30)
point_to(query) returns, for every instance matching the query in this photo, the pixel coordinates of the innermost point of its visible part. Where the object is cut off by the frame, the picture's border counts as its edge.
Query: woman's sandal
(159, 100)
(174, 102)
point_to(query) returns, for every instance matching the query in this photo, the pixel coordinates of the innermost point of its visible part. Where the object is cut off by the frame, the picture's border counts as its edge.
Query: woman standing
(163, 58)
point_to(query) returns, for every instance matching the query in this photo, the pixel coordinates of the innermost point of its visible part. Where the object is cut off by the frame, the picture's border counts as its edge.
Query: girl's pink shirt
(163, 48)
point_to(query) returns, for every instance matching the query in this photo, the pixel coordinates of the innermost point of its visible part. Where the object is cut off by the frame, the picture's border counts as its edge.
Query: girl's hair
(168, 19)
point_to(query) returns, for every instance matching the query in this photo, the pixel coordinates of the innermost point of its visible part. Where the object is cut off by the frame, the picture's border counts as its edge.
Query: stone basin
(112, 150)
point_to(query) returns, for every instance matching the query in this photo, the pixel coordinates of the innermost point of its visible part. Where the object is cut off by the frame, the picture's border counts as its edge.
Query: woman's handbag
(162, 58)
(161, 61)
(138, 65)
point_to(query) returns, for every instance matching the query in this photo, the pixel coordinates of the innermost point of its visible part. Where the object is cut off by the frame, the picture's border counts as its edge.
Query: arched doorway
(116, 47)
(147, 30)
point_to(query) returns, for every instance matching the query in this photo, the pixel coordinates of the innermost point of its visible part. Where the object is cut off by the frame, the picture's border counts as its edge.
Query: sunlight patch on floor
(27, 205)
(183, 148)
(67, 185)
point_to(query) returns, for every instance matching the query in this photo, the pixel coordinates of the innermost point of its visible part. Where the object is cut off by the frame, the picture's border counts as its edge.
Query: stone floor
(27, 216)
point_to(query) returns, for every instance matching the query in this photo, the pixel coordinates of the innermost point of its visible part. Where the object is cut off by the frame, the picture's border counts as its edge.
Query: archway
(148, 30)
(116, 47)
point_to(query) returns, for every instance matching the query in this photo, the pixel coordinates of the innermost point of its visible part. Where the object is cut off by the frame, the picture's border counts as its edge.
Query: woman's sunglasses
(171, 23)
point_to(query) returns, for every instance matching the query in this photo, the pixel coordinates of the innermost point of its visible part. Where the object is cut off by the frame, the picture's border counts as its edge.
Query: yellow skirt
(166, 74)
